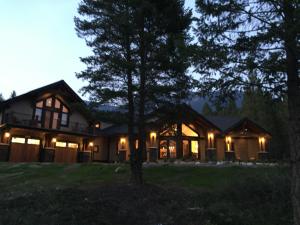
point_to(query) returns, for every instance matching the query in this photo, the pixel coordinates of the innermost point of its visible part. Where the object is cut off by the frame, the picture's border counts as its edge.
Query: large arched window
(51, 113)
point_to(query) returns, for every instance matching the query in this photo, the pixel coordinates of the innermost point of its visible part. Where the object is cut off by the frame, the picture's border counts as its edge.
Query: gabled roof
(229, 123)
(59, 85)
(223, 122)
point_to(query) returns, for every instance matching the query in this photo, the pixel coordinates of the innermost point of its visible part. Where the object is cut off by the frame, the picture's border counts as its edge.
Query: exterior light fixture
(54, 140)
(152, 137)
(6, 134)
(211, 139)
(122, 141)
(262, 143)
(91, 144)
(228, 143)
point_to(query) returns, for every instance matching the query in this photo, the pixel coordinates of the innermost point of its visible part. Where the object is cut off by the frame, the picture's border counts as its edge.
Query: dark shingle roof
(223, 122)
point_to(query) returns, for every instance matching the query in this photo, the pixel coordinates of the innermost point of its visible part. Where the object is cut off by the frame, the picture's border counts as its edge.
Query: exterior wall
(220, 149)
(0, 117)
(246, 149)
(76, 121)
(24, 108)
(113, 145)
(202, 149)
(102, 155)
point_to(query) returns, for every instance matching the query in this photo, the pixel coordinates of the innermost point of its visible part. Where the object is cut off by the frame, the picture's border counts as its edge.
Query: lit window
(49, 102)
(18, 140)
(65, 110)
(33, 141)
(57, 104)
(194, 147)
(73, 145)
(187, 131)
(61, 144)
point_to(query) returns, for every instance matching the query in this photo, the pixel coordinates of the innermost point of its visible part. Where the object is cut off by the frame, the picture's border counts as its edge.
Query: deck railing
(23, 119)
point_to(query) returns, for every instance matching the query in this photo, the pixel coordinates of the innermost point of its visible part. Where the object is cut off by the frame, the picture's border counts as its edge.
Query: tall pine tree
(135, 46)
(239, 39)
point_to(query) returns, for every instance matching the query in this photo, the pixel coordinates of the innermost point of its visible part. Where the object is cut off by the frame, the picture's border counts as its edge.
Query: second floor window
(51, 113)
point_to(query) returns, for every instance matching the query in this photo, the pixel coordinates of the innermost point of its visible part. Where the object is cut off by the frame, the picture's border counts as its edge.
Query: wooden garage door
(22, 150)
(65, 155)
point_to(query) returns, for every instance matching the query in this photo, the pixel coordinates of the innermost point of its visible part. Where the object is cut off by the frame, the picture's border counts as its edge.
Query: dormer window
(51, 113)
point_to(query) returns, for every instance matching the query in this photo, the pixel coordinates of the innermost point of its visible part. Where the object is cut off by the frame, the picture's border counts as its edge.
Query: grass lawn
(97, 194)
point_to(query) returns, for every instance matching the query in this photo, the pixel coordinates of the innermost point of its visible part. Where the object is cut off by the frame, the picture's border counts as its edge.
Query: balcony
(22, 119)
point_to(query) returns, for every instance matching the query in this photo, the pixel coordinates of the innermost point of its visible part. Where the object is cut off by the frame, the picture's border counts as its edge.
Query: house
(53, 124)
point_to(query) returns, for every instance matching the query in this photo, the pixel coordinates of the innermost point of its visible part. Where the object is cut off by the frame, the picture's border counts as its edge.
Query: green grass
(93, 193)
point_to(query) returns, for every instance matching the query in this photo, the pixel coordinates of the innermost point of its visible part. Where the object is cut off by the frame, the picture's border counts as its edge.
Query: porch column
(179, 150)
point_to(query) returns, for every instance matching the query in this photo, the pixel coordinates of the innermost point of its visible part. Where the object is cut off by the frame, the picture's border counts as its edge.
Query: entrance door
(242, 149)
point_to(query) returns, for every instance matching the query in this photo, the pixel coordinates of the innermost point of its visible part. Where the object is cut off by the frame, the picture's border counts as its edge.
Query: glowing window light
(33, 141)
(61, 144)
(18, 140)
(73, 145)
(194, 146)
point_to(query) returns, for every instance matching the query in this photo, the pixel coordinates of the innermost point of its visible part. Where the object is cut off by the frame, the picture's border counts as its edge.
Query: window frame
(53, 109)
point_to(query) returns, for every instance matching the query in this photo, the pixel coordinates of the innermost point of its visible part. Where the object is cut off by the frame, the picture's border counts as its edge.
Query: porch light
(153, 136)
(6, 134)
(211, 140)
(54, 140)
(123, 141)
(228, 143)
(262, 142)
(91, 144)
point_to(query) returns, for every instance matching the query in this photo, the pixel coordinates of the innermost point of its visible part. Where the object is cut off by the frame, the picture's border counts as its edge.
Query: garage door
(65, 152)
(24, 150)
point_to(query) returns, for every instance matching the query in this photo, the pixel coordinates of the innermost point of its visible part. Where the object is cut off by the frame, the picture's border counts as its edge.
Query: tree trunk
(131, 112)
(290, 39)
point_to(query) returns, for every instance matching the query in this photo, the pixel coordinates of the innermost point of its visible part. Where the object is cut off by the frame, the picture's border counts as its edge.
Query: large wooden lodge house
(51, 124)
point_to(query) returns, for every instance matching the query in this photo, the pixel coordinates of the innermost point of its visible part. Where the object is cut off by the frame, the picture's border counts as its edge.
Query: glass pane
(18, 140)
(38, 114)
(186, 131)
(65, 109)
(73, 145)
(39, 104)
(171, 131)
(163, 149)
(61, 144)
(49, 102)
(172, 149)
(55, 121)
(195, 147)
(64, 119)
(33, 141)
(186, 148)
(57, 104)
(47, 119)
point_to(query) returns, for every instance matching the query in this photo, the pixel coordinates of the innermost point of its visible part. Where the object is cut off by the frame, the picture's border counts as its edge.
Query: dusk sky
(39, 45)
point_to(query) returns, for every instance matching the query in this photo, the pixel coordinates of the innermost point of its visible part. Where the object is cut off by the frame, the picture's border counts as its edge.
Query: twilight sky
(39, 45)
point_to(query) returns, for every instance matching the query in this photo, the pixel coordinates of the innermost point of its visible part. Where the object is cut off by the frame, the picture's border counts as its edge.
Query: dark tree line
(142, 51)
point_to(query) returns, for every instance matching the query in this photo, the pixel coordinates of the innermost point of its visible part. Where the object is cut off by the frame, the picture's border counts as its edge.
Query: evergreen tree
(206, 110)
(135, 46)
(238, 39)
(13, 94)
(1, 97)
